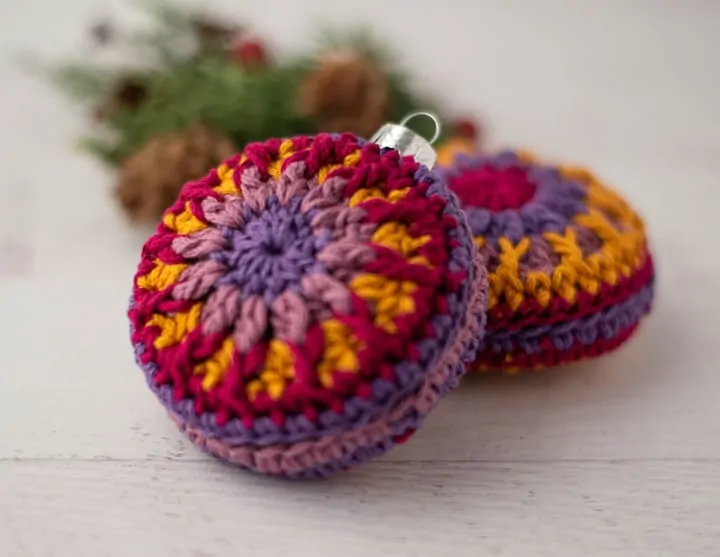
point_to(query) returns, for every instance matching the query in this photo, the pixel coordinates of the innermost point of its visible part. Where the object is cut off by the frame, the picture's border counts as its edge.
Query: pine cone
(150, 179)
(345, 93)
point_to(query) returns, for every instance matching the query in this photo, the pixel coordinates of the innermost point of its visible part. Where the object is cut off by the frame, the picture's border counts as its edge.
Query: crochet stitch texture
(569, 268)
(302, 307)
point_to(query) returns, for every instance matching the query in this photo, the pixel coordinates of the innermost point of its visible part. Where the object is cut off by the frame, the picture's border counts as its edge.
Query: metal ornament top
(407, 142)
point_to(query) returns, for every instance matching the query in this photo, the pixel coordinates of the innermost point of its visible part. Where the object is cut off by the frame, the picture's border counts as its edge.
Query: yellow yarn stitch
(275, 167)
(576, 173)
(397, 237)
(610, 259)
(525, 156)
(227, 184)
(175, 328)
(539, 286)
(621, 254)
(505, 281)
(279, 367)
(161, 276)
(215, 367)
(452, 147)
(341, 348)
(610, 202)
(184, 222)
(350, 160)
(391, 298)
(632, 238)
(366, 194)
(572, 269)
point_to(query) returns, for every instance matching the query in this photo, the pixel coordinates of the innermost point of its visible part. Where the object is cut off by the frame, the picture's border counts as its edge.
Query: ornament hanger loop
(431, 116)
(407, 142)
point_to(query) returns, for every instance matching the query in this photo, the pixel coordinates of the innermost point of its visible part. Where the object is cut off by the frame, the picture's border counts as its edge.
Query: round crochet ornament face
(569, 268)
(301, 308)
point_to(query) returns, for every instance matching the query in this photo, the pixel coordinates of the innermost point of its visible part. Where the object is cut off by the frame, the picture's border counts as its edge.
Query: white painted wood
(616, 457)
(601, 508)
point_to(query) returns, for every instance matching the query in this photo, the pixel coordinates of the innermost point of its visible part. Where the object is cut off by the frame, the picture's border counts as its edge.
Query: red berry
(465, 128)
(250, 53)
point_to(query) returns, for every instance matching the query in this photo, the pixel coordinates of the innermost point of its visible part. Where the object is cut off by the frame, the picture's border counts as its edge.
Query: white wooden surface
(616, 458)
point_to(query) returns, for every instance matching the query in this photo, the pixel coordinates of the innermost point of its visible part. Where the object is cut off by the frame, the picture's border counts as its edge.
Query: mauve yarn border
(368, 452)
(356, 411)
(413, 418)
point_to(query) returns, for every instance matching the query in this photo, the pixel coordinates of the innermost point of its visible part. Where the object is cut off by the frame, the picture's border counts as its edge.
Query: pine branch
(192, 79)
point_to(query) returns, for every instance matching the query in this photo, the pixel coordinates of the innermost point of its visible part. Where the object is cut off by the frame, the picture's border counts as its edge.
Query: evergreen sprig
(191, 78)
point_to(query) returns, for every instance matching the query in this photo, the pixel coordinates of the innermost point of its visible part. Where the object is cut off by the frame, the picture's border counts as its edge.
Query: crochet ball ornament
(569, 269)
(302, 307)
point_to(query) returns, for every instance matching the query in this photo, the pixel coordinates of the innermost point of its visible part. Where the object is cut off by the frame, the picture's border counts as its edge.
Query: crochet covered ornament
(301, 308)
(568, 262)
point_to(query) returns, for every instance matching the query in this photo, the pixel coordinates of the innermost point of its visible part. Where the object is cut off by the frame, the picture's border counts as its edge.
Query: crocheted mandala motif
(569, 268)
(305, 305)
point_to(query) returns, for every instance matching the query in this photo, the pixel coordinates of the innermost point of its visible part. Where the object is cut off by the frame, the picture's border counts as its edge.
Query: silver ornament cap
(407, 142)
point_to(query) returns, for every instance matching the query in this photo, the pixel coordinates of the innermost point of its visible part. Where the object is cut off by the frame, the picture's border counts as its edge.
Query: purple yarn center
(273, 251)
(556, 202)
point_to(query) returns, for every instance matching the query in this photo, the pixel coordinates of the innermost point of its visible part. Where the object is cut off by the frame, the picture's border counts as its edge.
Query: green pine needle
(192, 80)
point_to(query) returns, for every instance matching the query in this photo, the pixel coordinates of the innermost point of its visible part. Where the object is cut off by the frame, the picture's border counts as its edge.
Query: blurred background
(623, 87)
(628, 88)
